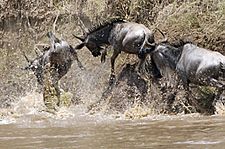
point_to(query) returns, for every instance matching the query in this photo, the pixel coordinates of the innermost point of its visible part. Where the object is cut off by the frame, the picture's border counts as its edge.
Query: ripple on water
(199, 142)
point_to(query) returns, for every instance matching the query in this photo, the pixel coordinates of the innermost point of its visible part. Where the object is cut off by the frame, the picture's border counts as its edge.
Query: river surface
(77, 129)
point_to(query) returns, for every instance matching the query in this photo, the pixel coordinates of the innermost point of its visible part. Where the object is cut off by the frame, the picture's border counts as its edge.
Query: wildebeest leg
(155, 70)
(78, 61)
(104, 53)
(113, 58)
(217, 96)
(141, 62)
(185, 83)
(184, 79)
(55, 80)
(220, 87)
(51, 91)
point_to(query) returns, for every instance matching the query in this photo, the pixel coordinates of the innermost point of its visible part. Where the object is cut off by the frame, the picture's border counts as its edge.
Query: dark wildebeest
(130, 37)
(192, 64)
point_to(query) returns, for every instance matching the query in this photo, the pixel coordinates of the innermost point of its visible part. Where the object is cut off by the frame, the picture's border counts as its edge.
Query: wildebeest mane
(172, 55)
(176, 48)
(180, 43)
(103, 24)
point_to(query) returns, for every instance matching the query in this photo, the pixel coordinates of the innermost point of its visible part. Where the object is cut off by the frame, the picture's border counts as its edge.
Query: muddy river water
(77, 129)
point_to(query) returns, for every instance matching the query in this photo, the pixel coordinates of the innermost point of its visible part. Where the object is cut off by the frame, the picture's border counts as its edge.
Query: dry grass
(201, 21)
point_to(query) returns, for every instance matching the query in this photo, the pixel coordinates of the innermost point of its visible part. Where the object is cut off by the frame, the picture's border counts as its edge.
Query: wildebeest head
(166, 55)
(91, 44)
(98, 36)
(59, 55)
(35, 66)
(32, 64)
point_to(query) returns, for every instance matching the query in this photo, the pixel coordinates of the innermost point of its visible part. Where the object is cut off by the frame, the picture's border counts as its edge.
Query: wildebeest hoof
(102, 59)
(112, 79)
(104, 53)
(82, 68)
(96, 54)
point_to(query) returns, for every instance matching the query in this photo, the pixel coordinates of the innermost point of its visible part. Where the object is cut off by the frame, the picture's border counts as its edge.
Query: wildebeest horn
(152, 44)
(52, 37)
(80, 46)
(80, 38)
(26, 57)
(165, 38)
(36, 52)
(49, 34)
(82, 26)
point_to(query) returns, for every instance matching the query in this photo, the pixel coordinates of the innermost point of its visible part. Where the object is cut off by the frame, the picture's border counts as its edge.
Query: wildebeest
(129, 37)
(59, 55)
(193, 64)
(51, 66)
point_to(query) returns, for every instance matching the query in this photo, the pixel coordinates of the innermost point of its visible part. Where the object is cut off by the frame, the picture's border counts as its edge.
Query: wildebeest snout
(96, 53)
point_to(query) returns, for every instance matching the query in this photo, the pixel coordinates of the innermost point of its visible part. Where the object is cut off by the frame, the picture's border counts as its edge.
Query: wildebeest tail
(146, 47)
(52, 37)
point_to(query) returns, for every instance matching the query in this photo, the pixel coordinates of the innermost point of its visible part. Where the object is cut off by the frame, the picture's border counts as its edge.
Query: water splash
(31, 106)
(220, 108)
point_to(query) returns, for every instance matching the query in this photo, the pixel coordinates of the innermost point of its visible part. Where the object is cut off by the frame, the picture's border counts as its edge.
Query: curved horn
(49, 34)
(152, 44)
(80, 38)
(165, 38)
(36, 52)
(52, 37)
(26, 57)
(80, 46)
(82, 26)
